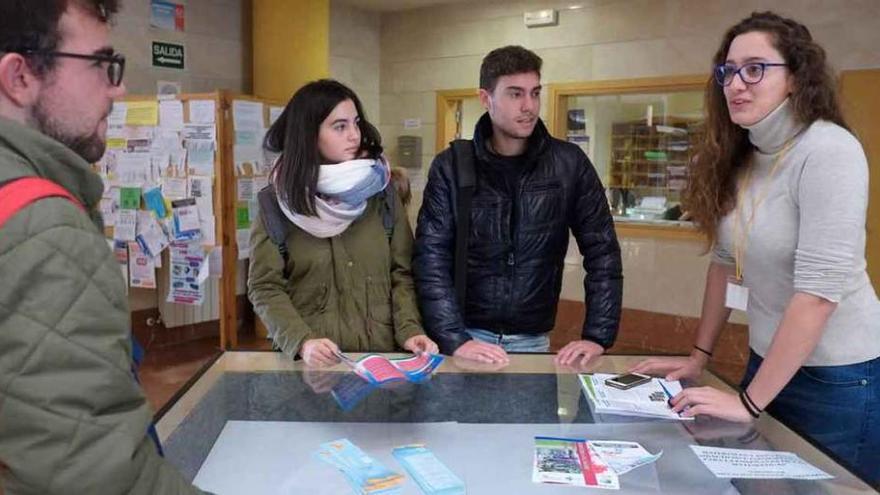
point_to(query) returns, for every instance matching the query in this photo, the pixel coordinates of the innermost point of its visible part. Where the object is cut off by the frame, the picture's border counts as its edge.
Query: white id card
(737, 296)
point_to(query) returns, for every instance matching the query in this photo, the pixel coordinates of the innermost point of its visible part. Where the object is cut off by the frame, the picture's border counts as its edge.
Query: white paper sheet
(202, 111)
(200, 154)
(174, 188)
(117, 114)
(171, 115)
(247, 115)
(126, 225)
(141, 268)
(757, 464)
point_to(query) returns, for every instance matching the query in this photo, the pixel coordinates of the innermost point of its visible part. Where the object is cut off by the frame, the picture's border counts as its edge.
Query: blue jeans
(837, 407)
(514, 342)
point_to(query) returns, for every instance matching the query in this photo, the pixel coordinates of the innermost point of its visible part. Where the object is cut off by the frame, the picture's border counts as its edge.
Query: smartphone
(627, 380)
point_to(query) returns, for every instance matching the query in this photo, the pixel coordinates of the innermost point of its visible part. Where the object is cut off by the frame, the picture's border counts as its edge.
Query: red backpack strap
(19, 193)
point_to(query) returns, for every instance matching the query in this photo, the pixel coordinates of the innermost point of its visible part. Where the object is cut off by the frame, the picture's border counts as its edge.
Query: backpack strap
(19, 193)
(463, 161)
(277, 225)
(389, 207)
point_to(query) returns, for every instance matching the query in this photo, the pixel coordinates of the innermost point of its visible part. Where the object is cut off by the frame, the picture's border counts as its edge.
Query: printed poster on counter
(188, 271)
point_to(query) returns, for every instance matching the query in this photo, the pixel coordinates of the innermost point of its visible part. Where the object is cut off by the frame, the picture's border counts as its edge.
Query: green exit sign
(167, 55)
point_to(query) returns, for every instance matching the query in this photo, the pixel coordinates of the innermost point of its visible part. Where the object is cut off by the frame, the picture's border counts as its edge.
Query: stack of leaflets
(648, 400)
(578, 462)
(432, 476)
(365, 474)
(378, 369)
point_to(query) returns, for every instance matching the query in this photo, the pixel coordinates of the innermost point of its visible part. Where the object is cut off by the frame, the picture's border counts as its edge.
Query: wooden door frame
(447, 100)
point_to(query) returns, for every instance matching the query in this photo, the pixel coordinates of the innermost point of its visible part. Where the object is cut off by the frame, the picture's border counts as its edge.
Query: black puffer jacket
(517, 244)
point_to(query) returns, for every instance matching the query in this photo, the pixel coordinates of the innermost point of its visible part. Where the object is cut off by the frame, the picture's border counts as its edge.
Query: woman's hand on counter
(711, 402)
(672, 368)
(319, 353)
(421, 343)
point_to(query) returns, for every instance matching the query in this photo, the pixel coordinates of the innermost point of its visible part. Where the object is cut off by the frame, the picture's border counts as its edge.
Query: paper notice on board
(202, 111)
(142, 113)
(126, 225)
(243, 239)
(141, 268)
(174, 188)
(245, 189)
(208, 228)
(202, 189)
(200, 157)
(110, 206)
(274, 113)
(247, 115)
(171, 115)
(177, 163)
(200, 132)
(757, 464)
(187, 262)
(150, 235)
(134, 168)
(215, 259)
(118, 113)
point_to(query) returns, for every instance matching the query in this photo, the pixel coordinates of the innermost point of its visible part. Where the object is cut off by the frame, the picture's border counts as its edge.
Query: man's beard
(90, 147)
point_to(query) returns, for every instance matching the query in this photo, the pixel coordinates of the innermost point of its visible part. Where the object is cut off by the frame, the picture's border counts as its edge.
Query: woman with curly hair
(780, 187)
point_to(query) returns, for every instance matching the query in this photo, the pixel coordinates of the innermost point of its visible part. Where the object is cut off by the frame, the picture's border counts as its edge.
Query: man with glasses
(72, 417)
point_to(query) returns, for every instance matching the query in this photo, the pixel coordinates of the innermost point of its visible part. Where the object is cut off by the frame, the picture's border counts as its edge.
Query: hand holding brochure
(649, 399)
(378, 369)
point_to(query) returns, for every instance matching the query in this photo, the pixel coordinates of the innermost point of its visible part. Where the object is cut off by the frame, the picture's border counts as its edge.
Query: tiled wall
(354, 53)
(217, 46)
(441, 47)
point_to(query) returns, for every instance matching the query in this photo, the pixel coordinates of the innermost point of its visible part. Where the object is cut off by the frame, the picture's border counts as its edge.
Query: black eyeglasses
(750, 73)
(115, 62)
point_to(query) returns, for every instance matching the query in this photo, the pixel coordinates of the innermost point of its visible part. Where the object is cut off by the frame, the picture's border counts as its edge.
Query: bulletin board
(181, 175)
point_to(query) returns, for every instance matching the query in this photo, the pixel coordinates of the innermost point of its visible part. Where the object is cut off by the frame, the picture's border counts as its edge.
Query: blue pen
(668, 395)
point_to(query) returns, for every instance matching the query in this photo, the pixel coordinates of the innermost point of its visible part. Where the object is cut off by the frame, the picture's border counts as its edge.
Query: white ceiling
(394, 5)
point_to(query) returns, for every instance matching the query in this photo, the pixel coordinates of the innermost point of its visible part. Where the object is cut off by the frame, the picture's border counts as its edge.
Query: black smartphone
(627, 380)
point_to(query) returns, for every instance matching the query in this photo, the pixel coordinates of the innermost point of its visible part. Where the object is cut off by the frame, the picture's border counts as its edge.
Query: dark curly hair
(712, 186)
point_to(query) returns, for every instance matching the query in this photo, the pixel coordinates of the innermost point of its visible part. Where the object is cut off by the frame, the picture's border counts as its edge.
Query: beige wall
(441, 47)
(354, 53)
(217, 43)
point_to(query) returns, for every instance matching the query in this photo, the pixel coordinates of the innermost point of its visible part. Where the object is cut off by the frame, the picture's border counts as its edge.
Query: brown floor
(168, 367)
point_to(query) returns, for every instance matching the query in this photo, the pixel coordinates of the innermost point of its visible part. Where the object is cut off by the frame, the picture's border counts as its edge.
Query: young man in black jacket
(530, 190)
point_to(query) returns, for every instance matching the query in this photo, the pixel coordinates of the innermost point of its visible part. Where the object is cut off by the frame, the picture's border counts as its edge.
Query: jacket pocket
(542, 205)
(853, 375)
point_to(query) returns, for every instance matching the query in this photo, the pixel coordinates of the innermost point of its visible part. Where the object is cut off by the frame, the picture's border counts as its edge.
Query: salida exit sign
(168, 55)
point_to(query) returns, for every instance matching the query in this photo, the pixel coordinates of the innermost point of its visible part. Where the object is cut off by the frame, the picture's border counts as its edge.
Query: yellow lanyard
(740, 233)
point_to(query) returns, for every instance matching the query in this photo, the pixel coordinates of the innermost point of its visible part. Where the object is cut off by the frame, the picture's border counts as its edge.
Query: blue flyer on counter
(432, 476)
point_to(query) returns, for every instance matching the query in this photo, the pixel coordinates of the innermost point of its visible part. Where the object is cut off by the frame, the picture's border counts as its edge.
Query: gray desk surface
(253, 420)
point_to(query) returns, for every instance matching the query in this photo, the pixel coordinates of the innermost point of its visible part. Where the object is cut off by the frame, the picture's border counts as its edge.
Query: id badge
(737, 295)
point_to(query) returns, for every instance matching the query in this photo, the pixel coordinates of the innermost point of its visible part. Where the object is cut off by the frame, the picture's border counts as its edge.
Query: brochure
(365, 474)
(378, 369)
(648, 400)
(432, 476)
(571, 461)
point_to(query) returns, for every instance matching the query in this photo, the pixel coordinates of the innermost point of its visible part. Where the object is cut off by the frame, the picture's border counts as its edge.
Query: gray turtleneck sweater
(808, 236)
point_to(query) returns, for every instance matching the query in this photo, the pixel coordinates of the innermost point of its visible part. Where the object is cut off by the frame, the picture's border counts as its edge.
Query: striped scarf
(343, 191)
